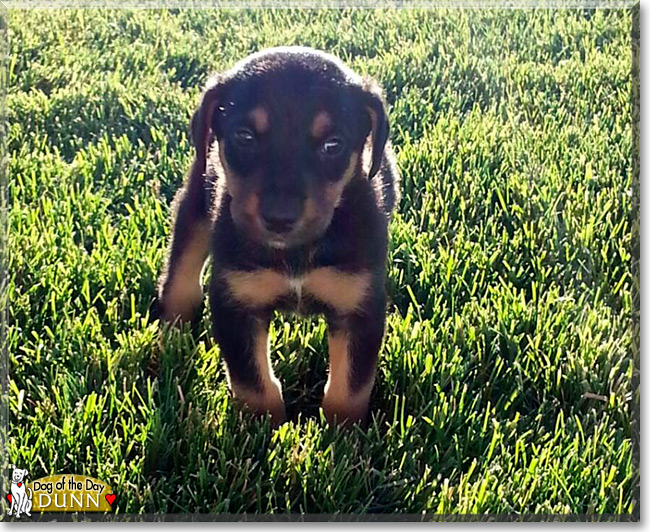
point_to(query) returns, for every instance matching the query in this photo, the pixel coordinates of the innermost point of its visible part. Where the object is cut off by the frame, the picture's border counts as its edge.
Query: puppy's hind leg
(179, 287)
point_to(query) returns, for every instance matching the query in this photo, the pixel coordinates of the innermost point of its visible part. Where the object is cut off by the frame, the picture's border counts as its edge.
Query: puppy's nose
(280, 212)
(279, 221)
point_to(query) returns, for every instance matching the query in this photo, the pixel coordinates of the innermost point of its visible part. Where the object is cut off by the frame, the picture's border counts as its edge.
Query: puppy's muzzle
(280, 212)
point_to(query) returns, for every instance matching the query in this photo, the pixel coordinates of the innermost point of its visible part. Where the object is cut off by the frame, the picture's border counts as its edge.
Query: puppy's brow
(322, 121)
(260, 119)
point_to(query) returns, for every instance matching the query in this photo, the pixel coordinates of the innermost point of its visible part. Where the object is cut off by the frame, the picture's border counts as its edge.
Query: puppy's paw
(353, 410)
(269, 402)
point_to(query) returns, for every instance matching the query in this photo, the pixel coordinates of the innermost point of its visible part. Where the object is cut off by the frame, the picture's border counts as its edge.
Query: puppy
(20, 499)
(291, 190)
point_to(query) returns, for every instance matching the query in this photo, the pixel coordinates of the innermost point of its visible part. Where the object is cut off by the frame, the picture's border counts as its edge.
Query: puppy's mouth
(254, 229)
(302, 234)
(285, 240)
(278, 242)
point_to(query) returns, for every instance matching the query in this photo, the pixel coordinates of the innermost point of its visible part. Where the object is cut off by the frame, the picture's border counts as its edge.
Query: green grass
(506, 380)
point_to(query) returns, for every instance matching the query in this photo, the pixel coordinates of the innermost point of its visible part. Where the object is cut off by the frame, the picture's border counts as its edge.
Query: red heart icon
(9, 497)
(110, 498)
(20, 484)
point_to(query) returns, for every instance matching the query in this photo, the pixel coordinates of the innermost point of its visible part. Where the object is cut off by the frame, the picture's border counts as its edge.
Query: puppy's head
(291, 125)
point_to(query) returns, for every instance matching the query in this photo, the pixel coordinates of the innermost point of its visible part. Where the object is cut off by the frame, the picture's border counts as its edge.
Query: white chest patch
(295, 283)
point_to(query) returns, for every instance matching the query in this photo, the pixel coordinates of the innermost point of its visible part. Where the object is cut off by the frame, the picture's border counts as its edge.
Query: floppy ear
(203, 117)
(375, 108)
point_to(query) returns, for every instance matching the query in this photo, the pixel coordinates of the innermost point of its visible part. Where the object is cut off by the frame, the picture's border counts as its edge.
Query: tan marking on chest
(343, 291)
(257, 288)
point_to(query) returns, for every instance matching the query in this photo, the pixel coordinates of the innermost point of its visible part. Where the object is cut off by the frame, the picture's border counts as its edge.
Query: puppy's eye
(332, 146)
(245, 138)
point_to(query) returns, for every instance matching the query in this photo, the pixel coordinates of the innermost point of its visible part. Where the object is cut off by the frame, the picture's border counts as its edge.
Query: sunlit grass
(505, 380)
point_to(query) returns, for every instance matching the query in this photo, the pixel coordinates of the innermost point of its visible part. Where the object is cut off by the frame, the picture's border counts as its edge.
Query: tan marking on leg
(257, 288)
(269, 397)
(321, 123)
(260, 118)
(182, 293)
(339, 403)
(343, 291)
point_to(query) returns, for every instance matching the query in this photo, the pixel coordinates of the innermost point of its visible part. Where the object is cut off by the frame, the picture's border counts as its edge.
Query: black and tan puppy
(291, 191)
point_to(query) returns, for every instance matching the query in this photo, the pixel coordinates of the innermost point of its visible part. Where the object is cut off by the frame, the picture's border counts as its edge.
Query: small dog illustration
(19, 492)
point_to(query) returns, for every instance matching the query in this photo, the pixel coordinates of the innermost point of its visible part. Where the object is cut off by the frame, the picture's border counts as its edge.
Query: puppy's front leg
(179, 285)
(243, 340)
(354, 344)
